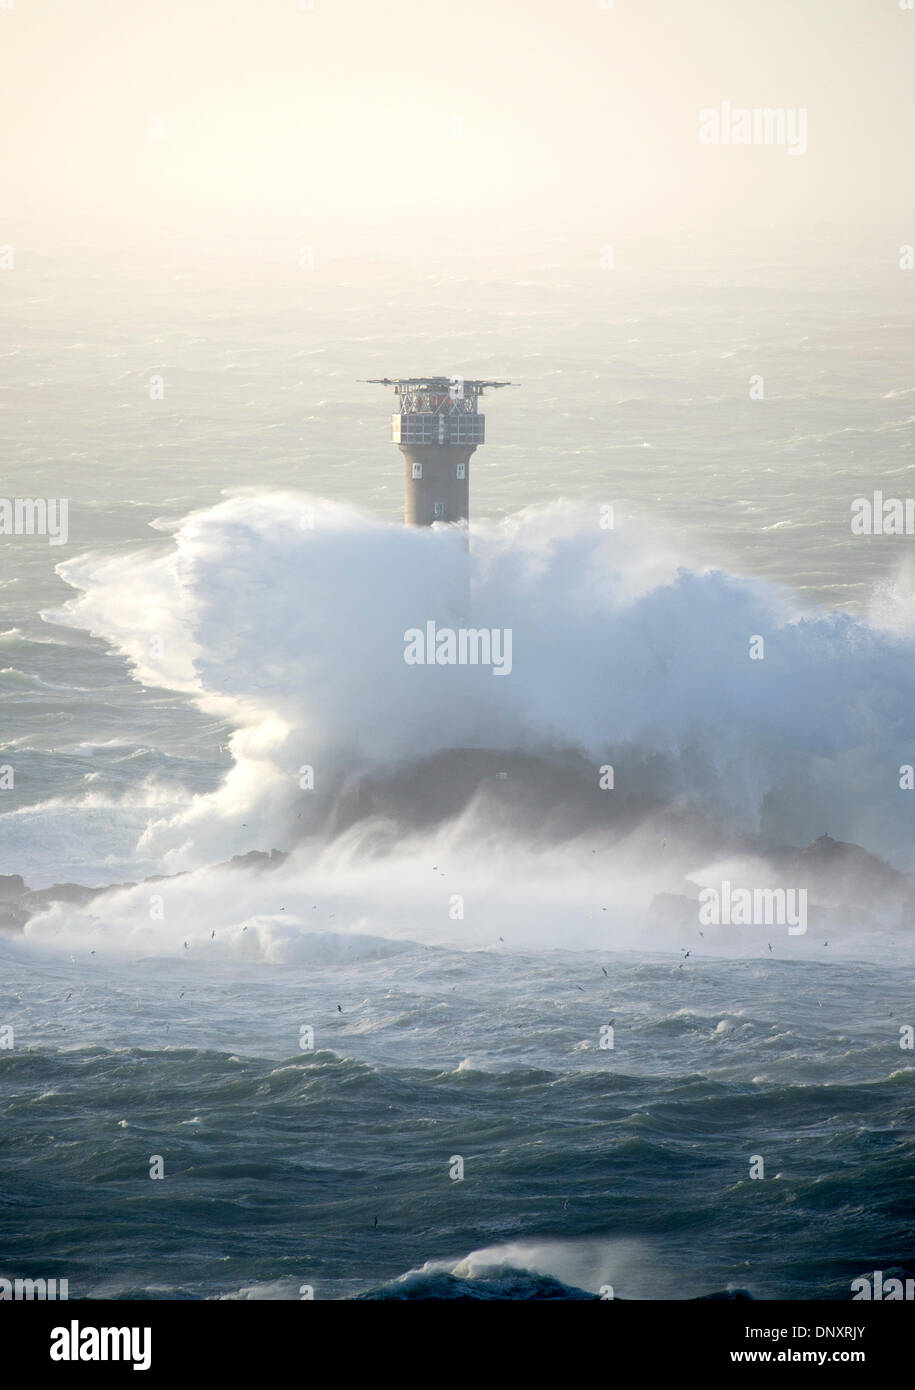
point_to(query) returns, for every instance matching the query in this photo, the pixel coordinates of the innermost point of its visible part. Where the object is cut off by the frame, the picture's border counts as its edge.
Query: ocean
(386, 994)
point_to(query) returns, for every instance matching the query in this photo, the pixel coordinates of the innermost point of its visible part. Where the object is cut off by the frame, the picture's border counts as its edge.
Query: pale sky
(362, 123)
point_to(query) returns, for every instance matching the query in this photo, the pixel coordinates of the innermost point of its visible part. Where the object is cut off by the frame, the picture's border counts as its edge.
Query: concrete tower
(437, 428)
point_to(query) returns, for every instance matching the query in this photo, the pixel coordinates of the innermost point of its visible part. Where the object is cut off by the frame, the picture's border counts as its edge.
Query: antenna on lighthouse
(437, 428)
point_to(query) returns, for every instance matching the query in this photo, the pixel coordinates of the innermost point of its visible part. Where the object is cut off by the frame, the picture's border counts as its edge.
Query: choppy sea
(380, 1066)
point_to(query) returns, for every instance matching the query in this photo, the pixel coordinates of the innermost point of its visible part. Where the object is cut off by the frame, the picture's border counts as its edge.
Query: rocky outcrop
(18, 902)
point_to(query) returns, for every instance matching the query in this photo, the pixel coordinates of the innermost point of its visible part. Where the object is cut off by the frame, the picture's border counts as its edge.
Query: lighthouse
(437, 427)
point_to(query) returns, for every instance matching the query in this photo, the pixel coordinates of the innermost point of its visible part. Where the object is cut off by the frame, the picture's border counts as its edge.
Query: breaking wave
(437, 787)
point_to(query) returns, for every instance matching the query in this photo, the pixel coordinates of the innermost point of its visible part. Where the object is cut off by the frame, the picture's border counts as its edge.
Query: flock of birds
(686, 953)
(435, 869)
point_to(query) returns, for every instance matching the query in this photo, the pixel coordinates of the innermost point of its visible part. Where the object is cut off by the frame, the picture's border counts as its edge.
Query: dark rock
(37, 899)
(258, 859)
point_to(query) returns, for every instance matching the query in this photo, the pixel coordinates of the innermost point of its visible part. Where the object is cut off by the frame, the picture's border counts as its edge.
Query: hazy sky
(359, 123)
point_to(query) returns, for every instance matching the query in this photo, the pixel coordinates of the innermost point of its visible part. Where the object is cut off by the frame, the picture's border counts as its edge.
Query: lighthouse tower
(437, 427)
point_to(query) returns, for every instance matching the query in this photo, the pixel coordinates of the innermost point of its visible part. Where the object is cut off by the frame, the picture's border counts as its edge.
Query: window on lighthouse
(417, 470)
(462, 470)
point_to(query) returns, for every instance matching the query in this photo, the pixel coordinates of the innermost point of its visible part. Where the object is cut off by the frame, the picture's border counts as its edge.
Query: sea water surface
(173, 1020)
